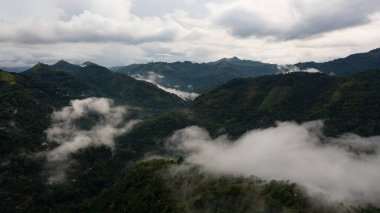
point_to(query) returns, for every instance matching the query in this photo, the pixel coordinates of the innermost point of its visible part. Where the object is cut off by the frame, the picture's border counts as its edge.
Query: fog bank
(343, 169)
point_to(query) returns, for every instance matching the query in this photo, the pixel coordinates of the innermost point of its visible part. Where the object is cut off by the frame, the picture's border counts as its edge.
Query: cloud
(338, 169)
(154, 78)
(293, 68)
(121, 32)
(290, 19)
(67, 132)
(90, 21)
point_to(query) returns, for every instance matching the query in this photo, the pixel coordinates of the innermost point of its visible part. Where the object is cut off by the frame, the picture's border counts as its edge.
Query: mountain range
(201, 77)
(238, 96)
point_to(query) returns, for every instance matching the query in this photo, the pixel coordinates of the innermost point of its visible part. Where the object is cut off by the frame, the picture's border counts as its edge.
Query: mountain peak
(88, 63)
(62, 63)
(66, 66)
(233, 59)
(40, 65)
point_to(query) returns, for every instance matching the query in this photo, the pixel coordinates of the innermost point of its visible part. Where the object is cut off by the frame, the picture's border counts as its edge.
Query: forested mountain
(347, 66)
(201, 77)
(347, 104)
(121, 87)
(188, 76)
(101, 179)
(28, 99)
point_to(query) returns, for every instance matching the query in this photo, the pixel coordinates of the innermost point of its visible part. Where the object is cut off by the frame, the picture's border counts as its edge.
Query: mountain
(27, 99)
(199, 77)
(122, 88)
(122, 179)
(347, 104)
(202, 77)
(347, 66)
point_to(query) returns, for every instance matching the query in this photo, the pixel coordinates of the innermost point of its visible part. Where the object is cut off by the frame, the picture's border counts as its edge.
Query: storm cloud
(292, 19)
(342, 169)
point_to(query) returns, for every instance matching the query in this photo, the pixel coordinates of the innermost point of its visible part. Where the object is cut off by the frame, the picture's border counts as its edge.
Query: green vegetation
(122, 88)
(101, 180)
(166, 186)
(346, 104)
(7, 79)
(275, 96)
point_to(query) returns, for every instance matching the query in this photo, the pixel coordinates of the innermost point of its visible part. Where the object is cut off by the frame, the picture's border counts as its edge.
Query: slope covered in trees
(103, 180)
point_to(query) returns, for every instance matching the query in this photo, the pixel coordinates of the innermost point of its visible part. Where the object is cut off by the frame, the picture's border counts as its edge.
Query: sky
(121, 32)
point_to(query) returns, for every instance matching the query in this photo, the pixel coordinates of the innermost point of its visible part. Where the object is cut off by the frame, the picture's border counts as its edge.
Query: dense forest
(140, 173)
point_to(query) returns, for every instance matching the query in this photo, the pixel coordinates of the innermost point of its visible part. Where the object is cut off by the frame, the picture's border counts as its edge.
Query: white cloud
(120, 32)
(154, 78)
(327, 167)
(97, 21)
(71, 138)
(293, 68)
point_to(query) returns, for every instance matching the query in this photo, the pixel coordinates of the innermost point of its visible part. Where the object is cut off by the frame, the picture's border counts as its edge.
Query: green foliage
(150, 135)
(7, 79)
(245, 104)
(346, 104)
(165, 186)
(140, 190)
(102, 180)
(122, 88)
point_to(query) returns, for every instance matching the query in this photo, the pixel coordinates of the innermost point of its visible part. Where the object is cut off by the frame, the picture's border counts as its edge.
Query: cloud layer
(293, 19)
(344, 169)
(106, 122)
(120, 32)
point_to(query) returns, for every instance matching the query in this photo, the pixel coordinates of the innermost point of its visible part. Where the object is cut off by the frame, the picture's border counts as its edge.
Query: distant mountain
(15, 69)
(199, 77)
(202, 77)
(347, 66)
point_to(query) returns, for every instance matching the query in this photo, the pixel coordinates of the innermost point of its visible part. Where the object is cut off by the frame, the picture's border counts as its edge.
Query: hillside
(104, 180)
(27, 101)
(346, 104)
(123, 88)
(347, 66)
(26, 104)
